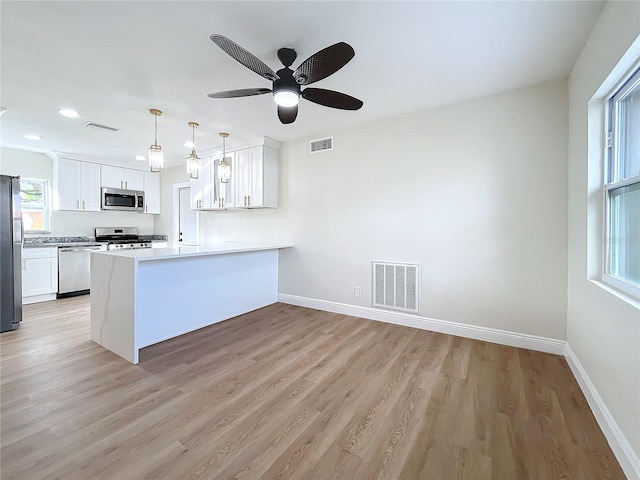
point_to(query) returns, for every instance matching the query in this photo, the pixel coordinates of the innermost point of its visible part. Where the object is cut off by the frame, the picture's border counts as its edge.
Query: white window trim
(47, 202)
(621, 88)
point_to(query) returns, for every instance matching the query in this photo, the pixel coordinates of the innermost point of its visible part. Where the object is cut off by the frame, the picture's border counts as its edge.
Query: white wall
(163, 223)
(475, 193)
(66, 223)
(603, 330)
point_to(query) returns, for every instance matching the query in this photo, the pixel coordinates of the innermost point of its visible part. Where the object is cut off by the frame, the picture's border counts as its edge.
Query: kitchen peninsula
(142, 297)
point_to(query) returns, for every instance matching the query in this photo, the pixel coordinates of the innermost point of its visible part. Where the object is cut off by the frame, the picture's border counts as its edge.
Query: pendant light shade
(156, 157)
(193, 162)
(224, 169)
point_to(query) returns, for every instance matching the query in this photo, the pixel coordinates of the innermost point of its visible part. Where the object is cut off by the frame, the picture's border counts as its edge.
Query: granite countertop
(48, 242)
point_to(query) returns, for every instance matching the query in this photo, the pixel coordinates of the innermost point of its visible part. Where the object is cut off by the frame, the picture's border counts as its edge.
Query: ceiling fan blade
(243, 56)
(287, 114)
(330, 98)
(244, 92)
(324, 63)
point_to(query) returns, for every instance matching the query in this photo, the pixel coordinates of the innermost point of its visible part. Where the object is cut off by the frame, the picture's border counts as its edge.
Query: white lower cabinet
(39, 274)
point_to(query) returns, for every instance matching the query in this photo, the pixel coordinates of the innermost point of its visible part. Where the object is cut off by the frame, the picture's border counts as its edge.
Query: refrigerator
(11, 233)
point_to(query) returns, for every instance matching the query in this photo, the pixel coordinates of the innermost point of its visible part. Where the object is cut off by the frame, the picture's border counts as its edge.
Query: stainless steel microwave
(117, 199)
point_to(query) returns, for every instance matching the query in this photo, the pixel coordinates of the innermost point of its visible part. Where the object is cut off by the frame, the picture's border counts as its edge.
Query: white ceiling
(112, 61)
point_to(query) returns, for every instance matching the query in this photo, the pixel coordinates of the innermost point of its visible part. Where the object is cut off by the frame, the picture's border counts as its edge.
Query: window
(34, 198)
(622, 188)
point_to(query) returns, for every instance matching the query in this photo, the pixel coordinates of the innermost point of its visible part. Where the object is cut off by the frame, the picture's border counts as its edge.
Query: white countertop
(179, 251)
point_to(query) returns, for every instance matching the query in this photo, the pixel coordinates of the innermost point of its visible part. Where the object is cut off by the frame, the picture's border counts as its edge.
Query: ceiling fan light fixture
(156, 156)
(286, 98)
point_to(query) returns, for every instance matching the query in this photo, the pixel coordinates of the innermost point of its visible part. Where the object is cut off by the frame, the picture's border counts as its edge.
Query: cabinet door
(223, 196)
(133, 179)
(67, 184)
(111, 177)
(39, 276)
(243, 172)
(256, 191)
(152, 192)
(89, 186)
(201, 187)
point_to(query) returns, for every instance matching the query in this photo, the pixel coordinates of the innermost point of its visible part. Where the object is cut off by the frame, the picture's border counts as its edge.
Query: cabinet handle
(248, 200)
(83, 204)
(126, 184)
(77, 204)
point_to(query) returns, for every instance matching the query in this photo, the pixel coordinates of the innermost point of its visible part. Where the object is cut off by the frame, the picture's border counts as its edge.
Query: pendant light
(156, 157)
(224, 169)
(193, 162)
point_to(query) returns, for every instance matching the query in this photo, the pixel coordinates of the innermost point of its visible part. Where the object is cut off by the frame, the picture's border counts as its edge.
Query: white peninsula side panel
(142, 297)
(177, 296)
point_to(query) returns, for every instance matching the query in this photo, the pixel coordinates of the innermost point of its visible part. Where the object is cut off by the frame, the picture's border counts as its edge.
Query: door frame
(176, 213)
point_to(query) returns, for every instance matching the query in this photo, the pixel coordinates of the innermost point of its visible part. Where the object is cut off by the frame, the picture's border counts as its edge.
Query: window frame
(612, 181)
(46, 210)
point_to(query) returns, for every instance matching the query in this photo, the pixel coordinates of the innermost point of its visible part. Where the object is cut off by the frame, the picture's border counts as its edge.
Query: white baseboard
(46, 297)
(625, 455)
(486, 334)
(617, 441)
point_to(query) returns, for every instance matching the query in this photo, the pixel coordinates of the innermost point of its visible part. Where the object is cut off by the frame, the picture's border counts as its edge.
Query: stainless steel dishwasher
(74, 269)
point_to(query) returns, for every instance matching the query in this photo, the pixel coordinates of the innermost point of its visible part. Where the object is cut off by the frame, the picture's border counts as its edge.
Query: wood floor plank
(287, 392)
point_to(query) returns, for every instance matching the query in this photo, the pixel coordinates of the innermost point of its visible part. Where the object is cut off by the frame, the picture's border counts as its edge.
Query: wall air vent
(395, 286)
(99, 126)
(321, 145)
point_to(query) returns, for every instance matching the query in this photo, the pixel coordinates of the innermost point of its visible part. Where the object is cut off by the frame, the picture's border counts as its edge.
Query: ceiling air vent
(99, 126)
(321, 145)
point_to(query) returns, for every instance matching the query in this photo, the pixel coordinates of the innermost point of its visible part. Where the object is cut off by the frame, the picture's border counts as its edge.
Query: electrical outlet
(357, 292)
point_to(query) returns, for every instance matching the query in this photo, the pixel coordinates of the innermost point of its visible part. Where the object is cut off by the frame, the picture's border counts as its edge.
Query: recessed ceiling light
(189, 144)
(140, 157)
(31, 136)
(68, 112)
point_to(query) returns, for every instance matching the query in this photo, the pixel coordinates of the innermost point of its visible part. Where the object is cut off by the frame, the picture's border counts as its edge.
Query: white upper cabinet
(253, 184)
(222, 192)
(200, 188)
(207, 191)
(77, 185)
(125, 178)
(257, 177)
(151, 192)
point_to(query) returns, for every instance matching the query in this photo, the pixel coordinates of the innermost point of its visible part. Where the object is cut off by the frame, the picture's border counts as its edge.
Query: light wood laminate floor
(288, 392)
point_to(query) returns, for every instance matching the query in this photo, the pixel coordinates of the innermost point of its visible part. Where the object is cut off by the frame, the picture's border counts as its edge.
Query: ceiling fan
(286, 82)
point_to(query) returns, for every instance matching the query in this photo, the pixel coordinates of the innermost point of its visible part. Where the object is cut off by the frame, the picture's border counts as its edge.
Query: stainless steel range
(121, 238)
